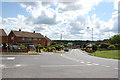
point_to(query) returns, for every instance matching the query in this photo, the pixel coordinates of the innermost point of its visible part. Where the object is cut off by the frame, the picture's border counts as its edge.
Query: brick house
(21, 37)
(3, 37)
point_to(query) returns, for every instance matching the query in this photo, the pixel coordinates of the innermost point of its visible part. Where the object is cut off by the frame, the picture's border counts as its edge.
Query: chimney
(33, 31)
(19, 29)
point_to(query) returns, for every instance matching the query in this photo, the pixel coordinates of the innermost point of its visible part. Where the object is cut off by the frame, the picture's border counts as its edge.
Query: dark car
(66, 49)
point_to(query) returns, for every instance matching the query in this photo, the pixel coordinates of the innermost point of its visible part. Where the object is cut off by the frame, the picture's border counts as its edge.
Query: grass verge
(113, 54)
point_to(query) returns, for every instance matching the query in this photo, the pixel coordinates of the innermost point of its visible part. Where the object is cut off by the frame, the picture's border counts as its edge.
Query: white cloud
(68, 18)
(116, 4)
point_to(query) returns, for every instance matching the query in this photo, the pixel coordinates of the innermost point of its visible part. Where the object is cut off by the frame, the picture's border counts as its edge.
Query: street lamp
(92, 32)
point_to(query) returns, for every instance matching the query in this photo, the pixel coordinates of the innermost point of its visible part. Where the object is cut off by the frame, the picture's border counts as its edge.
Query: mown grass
(17, 53)
(113, 54)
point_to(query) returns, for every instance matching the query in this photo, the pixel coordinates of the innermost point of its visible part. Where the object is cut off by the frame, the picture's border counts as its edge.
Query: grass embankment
(17, 53)
(113, 54)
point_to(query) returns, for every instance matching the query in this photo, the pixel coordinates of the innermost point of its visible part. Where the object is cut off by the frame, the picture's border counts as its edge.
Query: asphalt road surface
(74, 64)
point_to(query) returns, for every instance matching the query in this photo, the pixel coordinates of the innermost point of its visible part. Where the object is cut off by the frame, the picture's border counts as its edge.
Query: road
(74, 64)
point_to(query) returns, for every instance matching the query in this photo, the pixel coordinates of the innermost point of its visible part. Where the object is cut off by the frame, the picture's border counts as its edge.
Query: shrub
(94, 47)
(117, 46)
(44, 49)
(104, 45)
(49, 49)
(22, 46)
(111, 46)
(10, 47)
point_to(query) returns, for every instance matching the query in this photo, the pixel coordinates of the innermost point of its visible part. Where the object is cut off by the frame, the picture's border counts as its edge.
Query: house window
(12, 38)
(35, 39)
(38, 39)
(28, 38)
(23, 38)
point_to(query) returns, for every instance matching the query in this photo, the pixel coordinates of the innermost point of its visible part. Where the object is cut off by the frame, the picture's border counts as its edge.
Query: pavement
(74, 64)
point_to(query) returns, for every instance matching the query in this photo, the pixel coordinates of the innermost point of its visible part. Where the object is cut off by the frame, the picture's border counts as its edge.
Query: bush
(94, 47)
(111, 46)
(44, 49)
(117, 46)
(22, 46)
(49, 49)
(10, 47)
(104, 45)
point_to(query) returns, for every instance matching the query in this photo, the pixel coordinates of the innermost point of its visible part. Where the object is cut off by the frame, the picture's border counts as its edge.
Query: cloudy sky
(70, 18)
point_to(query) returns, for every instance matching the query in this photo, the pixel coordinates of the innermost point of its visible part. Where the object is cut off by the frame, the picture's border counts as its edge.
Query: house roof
(27, 34)
(47, 38)
(2, 33)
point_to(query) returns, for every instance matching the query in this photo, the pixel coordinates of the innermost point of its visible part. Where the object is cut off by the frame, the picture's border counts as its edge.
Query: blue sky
(33, 16)
(12, 9)
(103, 11)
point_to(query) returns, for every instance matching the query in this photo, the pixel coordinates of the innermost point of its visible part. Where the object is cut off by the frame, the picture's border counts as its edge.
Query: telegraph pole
(61, 37)
(92, 34)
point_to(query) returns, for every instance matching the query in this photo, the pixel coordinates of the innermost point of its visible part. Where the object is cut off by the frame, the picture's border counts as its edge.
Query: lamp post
(92, 33)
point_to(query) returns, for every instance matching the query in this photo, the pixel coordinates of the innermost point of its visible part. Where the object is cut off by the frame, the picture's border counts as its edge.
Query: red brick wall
(3, 39)
(9, 38)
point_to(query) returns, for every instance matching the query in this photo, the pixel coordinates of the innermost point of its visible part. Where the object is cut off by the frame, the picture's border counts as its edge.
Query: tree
(115, 39)
(70, 44)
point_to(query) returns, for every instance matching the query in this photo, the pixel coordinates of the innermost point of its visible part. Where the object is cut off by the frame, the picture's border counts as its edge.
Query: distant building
(21, 37)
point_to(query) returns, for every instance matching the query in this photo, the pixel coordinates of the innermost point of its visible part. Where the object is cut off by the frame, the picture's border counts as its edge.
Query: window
(28, 38)
(38, 39)
(12, 38)
(23, 38)
(34, 38)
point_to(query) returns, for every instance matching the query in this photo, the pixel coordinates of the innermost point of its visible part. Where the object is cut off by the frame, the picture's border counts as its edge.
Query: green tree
(115, 39)
(70, 44)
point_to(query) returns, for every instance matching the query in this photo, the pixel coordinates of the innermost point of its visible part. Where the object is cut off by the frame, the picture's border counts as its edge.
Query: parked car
(15, 47)
(66, 49)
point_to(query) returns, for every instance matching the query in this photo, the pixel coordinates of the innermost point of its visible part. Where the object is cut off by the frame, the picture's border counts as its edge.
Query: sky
(74, 20)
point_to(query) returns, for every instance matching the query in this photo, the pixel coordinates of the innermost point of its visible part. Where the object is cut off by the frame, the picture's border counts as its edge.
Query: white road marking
(95, 64)
(11, 58)
(82, 62)
(18, 65)
(88, 64)
(105, 66)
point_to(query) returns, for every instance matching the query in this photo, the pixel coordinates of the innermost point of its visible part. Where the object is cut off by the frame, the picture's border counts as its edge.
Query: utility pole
(61, 37)
(92, 34)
